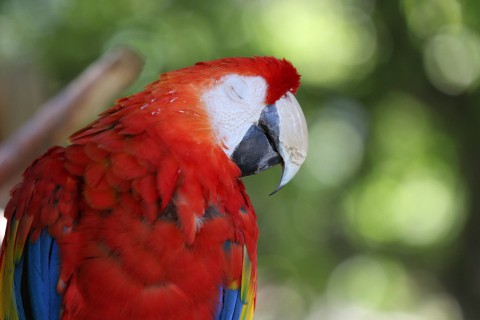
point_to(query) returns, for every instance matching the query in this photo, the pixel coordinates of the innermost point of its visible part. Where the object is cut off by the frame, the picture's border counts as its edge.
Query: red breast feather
(148, 243)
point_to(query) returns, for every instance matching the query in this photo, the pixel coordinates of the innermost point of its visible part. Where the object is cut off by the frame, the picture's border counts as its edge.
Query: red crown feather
(280, 74)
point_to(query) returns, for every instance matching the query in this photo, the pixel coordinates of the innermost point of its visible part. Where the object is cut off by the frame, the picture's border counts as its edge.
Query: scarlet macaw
(143, 216)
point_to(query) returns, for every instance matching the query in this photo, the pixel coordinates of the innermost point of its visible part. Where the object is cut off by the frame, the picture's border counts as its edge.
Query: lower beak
(279, 137)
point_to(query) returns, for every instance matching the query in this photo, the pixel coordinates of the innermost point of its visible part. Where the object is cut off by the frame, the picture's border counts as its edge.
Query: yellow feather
(8, 305)
(246, 273)
(247, 292)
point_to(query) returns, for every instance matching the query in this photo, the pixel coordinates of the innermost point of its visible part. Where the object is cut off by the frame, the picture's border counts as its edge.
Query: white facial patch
(234, 104)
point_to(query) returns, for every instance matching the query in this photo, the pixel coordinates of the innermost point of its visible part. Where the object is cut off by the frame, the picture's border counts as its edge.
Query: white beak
(293, 137)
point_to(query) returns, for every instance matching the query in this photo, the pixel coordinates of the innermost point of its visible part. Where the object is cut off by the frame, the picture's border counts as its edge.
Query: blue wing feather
(42, 266)
(54, 272)
(238, 307)
(230, 305)
(17, 288)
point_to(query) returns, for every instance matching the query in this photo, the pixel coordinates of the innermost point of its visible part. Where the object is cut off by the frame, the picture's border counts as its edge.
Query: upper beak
(279, 136)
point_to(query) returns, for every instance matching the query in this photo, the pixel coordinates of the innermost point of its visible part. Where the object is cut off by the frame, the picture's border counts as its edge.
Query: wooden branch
(95, 88)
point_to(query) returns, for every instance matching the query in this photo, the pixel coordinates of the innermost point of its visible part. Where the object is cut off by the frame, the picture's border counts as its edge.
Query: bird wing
(42, 207)
(237, 300)
(238, 295)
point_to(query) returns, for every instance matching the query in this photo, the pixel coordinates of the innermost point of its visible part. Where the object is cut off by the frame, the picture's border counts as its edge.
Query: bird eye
(235, 93)
(236, 88)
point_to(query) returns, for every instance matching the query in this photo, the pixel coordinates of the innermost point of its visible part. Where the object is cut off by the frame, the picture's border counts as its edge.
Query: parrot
(144, 215)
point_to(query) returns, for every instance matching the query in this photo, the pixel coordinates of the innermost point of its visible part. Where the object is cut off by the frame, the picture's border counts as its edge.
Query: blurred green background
(383, 220)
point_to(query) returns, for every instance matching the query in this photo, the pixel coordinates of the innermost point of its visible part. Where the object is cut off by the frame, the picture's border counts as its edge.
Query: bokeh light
(368, 282)
(331, 42)
(452, 60)
(411, 197)
(337, 140)
(282, 302)
(427, 17)
(375, 288)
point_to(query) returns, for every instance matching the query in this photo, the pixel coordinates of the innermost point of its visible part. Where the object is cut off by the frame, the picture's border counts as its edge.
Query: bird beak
(279, 137)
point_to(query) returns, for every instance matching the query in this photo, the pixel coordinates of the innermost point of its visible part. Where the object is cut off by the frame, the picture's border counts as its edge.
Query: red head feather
(280, 75)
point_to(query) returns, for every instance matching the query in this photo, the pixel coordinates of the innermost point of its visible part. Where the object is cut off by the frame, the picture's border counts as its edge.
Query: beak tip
(276, 190)
(288, 172)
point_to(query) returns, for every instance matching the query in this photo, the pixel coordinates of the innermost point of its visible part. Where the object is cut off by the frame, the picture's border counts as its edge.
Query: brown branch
(97, 86)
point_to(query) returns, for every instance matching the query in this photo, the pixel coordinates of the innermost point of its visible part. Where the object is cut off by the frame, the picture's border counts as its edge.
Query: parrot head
(250, 110)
